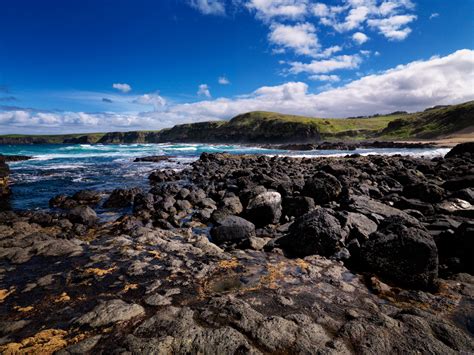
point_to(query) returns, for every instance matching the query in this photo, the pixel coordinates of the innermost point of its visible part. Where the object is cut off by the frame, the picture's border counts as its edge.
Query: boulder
(87, 197)
(264, 209)
(232, 229)
(152, 159)
(323, 187)
(317, 232)
(83, 214)
(297, 206)
(425, 192)
(121, 198)
(111, 312)
(461, 149)
(402, 251)
(459, 183)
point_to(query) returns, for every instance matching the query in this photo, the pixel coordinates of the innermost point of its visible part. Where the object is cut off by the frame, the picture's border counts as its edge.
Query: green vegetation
(271, 127)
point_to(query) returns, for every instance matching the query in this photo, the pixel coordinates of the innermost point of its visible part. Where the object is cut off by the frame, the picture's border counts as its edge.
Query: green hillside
(271, 127)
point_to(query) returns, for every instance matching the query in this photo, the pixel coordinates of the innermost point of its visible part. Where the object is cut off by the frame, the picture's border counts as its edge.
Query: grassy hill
(271, 127)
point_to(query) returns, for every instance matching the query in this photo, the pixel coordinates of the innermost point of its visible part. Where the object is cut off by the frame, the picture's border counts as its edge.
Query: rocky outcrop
(376, 269)
(4, 172)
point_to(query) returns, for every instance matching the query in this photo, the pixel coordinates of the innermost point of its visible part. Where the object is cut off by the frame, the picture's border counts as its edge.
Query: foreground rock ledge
(311, 274)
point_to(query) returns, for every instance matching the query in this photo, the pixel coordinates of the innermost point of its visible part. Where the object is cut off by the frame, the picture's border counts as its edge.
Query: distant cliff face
(274, 128)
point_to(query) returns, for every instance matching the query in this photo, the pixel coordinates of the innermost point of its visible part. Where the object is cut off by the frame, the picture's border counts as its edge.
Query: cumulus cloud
(324, 77)
(393, 27)
(327, 65)
(209, 7)
(360, 38)
(269, 9)
(300, 37)
(154, 100)
(203, 90)
(389, 17)
(122, 87)
(434, 15)
(223, 80)
(410, 87)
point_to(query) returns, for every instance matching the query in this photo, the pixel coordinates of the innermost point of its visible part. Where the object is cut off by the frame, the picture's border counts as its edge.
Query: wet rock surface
(250, 255)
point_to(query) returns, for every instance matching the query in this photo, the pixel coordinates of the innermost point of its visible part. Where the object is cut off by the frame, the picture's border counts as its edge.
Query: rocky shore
(250, 255)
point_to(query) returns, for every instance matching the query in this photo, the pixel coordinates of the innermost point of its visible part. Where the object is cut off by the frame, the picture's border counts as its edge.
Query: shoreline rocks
(250, 254)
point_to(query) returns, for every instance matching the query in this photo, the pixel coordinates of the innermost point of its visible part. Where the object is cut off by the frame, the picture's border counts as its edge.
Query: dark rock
(461, 149)
(425, 192)
(323, 188)
(87, 197)
(83, 214)
(121, 198)
(264, 209)
(459, 183)
(317, 232)
(402, 251)
(297, 206)
(153, 159)
(232, 229)
(15, 158)
(143, 202)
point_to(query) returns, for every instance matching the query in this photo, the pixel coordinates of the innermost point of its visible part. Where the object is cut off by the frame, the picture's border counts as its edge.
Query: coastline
(244, 247)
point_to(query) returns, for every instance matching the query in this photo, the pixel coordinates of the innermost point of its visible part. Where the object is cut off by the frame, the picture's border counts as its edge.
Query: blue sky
(95, 65)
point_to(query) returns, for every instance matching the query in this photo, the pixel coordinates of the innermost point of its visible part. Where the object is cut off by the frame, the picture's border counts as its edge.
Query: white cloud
(434, 15)
(154, 100)
(325, 77)
(122, 87)
(393, 27)
(223, 80)
(360, 37)
(320, 10)
(209, 7)
(268, 9)
(300, 37)
(203, 90)
(327, 65)
(410, 87)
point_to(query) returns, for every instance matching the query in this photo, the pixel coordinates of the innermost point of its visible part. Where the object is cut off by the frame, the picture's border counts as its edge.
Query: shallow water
(69, 168)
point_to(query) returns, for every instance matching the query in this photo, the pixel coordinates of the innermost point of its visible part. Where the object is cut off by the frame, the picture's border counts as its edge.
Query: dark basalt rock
(297, 206)
(425, 192)
(317, 232)
(4, 173)
(264, 209)
(121, 198)
(402, 251)
(461, 150)
(83, 215)
(323, 188)
(232, 229)
(153, 159)
(87, 197)
(15, 158)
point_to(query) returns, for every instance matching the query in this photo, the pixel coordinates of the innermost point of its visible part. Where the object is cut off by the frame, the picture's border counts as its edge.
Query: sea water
(66, 169)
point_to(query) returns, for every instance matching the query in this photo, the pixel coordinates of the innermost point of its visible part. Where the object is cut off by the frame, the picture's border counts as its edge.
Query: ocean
(67, 169)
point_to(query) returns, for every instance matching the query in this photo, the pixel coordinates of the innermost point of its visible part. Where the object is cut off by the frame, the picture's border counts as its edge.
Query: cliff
(269, 127)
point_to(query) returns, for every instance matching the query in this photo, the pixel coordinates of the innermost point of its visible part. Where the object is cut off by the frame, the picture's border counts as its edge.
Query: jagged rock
(121, 198)
(297, 206)
(460, 150)
(83, 214)
(323, 187)
(402, 251)
(264, 209)
(111, 312)
(317, 232)
(232, 229)
(87, 197)
(425, 192)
